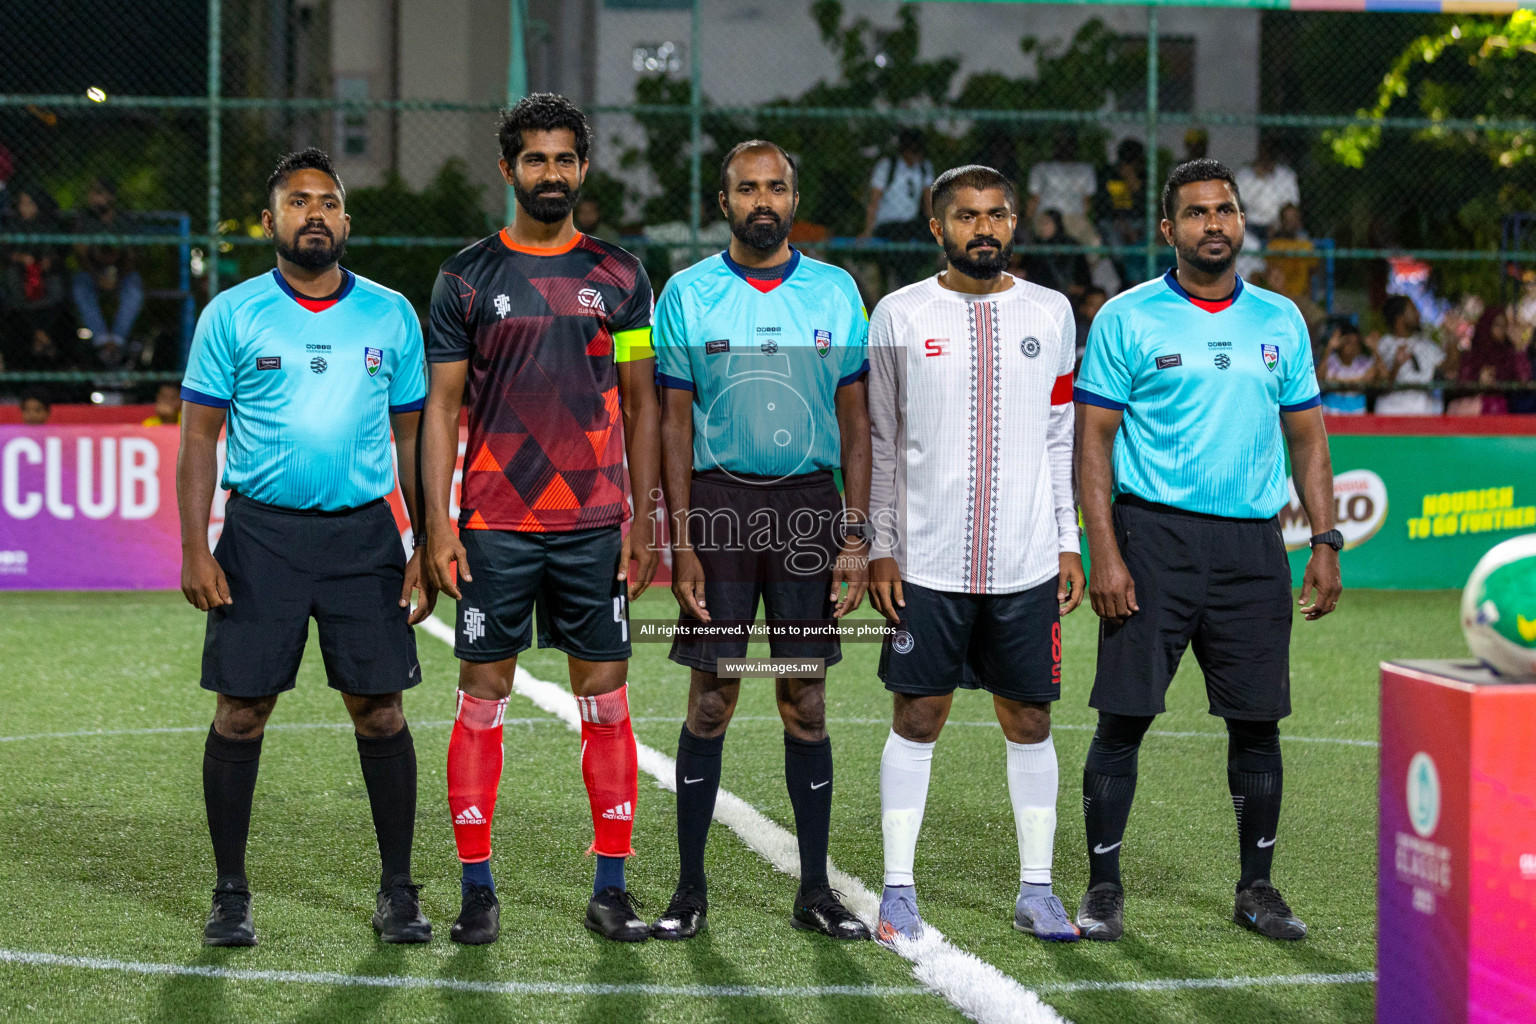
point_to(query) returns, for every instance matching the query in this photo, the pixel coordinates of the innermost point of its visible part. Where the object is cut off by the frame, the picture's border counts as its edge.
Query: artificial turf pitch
(104, 851)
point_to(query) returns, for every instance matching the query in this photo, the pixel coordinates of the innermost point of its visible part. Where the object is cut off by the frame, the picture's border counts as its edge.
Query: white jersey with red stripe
(970, 405)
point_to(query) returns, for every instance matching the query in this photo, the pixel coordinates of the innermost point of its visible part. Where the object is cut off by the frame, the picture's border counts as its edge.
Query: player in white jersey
(975, 551)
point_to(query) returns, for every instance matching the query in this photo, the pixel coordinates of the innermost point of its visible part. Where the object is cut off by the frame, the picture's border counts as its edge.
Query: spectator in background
(1196, 142)
(1493, 358)
(1274, 278)
(167, 406)
(1121, 203)
(588, 218)
(900, 205)
(32, 287)
(1083, 312)
(35, 409)
(1065, 184)
(1065, 272)
(106, 269)
(1295, 273)
(1266, 186)
(1347, 361)
(1408, 357)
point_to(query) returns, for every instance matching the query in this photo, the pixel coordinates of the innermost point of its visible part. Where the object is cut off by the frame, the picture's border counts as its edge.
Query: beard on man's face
(549, 202)
(310, 255)
(762, 229)
(1210, 264)
(981, 267)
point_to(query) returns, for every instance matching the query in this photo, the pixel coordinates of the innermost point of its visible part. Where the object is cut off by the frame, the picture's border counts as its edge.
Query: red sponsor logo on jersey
(936, 347)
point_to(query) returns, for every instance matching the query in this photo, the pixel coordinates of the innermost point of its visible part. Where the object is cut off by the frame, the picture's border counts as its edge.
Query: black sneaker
(229, 921)
(822, 910)
(1261, 908)
(1101, 915)
(613, 914)
(684, 917)
(479, 917)
(398, 916)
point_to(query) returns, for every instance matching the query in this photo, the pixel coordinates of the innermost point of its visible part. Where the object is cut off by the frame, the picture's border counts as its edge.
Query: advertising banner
(94, 508)
(1418, 512)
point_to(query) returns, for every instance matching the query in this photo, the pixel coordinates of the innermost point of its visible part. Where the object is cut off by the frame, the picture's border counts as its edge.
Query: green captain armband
(629, 346)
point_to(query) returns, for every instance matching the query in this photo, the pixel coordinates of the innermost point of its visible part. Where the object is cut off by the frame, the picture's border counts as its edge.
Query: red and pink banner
(93, 507)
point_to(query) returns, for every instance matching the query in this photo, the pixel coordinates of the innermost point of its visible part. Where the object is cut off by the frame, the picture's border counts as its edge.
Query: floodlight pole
(1151, 171)
(517, 79)
(695, 130)
(215, 44)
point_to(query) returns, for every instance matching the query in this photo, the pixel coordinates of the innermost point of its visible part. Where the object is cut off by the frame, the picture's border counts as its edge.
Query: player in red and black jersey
(548, 331)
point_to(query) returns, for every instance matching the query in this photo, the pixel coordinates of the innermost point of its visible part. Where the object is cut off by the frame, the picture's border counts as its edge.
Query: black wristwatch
(1333, 538)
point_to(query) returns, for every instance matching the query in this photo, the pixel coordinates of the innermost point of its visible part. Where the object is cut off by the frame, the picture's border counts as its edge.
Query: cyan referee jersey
(1202, 394)
(764, 366)
(309, 393)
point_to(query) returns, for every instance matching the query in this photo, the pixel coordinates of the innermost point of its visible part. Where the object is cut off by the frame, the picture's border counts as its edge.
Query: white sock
(904, 769)
(1032, 779)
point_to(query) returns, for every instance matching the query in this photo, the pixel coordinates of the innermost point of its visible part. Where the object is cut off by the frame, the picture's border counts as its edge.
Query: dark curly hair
(541, 112)
(1191, 171)
(310, 159)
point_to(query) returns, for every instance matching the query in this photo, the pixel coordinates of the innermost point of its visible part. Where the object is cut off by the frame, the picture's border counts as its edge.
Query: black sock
(389, 772)
(229, 782)
(1106, 808)
(698, 780)
(1256, 780)
(1109, 787)
(808, 773)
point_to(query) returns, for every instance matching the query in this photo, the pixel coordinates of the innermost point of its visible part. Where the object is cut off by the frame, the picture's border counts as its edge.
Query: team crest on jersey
(373, 358)
(1030, 347)
(592, 299)
(1271, 356)
(823, 343)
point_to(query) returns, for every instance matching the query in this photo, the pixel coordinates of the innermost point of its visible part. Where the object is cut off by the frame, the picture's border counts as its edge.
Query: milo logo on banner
(1359, 509)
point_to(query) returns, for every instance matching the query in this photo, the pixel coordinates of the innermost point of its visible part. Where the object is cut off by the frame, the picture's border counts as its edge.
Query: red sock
(609, 767)
(474, 773)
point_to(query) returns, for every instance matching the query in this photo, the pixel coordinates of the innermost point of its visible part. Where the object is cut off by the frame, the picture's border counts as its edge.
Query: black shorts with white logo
(1220, 585)
(285, 566)
(571, 578)
(1006, 644)
(777, 540)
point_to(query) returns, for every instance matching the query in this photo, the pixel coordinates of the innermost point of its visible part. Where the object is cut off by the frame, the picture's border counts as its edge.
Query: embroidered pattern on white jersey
(985, 444)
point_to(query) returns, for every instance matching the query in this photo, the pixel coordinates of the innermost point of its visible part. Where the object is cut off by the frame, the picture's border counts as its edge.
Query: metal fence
(1403, 140)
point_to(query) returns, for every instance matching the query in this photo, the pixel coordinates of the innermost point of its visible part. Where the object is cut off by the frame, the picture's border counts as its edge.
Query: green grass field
(104, 851)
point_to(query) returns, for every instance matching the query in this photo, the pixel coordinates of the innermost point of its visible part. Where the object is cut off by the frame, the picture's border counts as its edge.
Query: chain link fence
(1380, 152)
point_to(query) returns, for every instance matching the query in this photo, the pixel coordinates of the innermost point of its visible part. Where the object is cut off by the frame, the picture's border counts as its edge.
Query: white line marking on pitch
(976, 988)
(509, 988)
(556, 988)
(1184, 984)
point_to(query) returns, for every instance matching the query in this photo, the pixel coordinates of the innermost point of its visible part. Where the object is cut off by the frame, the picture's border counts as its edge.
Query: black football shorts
(572, 580)
(1220, 585)
(1006, 644)
(774, 540)
(343, 569)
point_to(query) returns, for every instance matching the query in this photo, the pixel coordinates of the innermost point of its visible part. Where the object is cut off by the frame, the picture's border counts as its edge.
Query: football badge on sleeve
(373, 358)
(1271, 356)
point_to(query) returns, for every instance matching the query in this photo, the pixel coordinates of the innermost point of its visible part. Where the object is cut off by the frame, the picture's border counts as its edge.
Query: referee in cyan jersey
(311, 366)
(1191, 385)
(761, 356)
